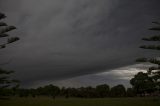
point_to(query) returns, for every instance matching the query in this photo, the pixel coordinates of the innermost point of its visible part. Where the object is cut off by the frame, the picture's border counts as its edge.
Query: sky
(77, 42)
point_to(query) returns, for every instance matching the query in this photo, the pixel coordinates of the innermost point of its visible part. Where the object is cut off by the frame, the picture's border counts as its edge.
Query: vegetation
(149, 83)
(4, 28)
(142, 84)
(5, 80)
(100, 91)
(45, 101)
(118, 91)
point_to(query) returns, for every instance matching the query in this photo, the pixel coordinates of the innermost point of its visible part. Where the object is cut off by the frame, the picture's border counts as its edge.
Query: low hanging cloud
(114, 77)
(66, 38)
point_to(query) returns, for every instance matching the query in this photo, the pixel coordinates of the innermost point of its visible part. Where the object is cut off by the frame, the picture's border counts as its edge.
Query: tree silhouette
(130, 92)
(4, 28)
(153, 71)
(118, 91)
(142, 83)
(102, 90)
(5, 80)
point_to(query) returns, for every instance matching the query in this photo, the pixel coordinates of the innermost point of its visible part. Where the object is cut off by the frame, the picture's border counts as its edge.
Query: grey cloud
(120, 75)
(66, 38)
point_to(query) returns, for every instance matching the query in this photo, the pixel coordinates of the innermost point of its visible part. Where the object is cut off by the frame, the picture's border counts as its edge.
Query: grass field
(44, 101)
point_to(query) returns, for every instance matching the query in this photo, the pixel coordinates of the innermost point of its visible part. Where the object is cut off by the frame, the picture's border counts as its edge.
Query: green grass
(44, 101)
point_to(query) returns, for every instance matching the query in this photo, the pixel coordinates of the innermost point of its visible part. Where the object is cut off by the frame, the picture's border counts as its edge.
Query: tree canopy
(149, 82)
(4, 29)
(5, 80)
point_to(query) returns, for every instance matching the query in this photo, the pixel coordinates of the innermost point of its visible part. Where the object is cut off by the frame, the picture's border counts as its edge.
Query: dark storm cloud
(117, 76)
(67, 38)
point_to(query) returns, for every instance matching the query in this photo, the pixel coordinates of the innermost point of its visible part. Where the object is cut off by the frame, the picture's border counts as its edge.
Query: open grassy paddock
(44, 101)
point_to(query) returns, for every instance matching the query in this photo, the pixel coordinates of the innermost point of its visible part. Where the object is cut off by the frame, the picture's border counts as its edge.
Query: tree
(5, 80)
(4, 28)
(50, 90)
(154, 71)
(118, 91)
(102, 90)
(142, 83)
(130, 92)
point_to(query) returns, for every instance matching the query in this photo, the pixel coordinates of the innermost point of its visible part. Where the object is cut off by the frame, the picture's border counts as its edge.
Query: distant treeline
(100, 91)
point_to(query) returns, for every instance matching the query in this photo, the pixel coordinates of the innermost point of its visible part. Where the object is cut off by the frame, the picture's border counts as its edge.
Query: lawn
(44, 101)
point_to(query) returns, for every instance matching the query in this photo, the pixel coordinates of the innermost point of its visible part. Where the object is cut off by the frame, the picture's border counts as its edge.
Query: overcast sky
(66, 39)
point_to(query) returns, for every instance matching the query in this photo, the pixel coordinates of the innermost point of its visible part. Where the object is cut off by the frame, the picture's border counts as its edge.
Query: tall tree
(4, 28)
(5, 80)
(153, 71)
(142, 83)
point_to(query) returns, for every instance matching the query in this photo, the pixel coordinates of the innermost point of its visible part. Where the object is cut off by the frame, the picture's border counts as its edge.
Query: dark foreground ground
(44, 101)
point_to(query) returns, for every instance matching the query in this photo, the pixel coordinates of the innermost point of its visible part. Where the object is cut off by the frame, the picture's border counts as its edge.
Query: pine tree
(154, 71)
(4, 28)
(5, 80)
